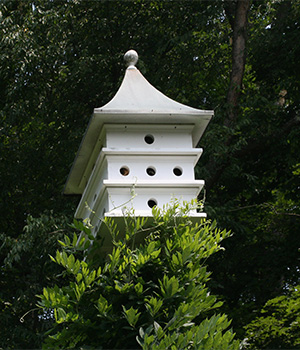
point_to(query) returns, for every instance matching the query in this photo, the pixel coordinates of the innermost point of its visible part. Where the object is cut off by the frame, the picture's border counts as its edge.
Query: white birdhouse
(138, 151)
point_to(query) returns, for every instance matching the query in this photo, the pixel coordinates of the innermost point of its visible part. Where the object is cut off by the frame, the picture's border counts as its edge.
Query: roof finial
(131, 57)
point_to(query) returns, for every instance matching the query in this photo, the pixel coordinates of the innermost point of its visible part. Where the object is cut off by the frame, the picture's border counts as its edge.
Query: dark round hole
(151, 171)
(124, 171)
(151, 203)
(177, 171)
(149, 139)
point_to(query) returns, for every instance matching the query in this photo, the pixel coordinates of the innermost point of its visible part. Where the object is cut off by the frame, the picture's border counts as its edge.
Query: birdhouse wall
(117, 200)
(140, 166)
(142, 199)
(150, 136)
(93, 188)
(148, 166)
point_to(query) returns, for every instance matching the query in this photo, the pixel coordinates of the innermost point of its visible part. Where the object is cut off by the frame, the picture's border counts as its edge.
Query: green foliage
(250, 169)
(59, 60)
(25, 269)
(153, 293)
(278, 325)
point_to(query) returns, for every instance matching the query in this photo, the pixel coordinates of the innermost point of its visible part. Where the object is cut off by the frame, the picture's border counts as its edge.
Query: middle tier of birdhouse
(140, 166)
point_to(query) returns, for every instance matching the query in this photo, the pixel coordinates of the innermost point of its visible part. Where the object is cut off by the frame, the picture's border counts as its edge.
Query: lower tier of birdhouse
(119, 198)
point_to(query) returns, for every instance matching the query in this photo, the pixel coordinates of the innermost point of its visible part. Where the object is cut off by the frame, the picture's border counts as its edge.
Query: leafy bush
(278, 325)
(25, 269)
(150, 295)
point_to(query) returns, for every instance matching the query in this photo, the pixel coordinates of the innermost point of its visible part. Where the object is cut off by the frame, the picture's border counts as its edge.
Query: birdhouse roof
(136, 102)
(137, 95)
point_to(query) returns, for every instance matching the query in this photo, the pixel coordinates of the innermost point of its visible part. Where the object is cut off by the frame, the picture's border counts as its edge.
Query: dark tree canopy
(60, 59)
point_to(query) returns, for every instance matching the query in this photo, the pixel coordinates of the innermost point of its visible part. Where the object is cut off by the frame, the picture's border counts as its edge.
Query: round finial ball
(131, 57)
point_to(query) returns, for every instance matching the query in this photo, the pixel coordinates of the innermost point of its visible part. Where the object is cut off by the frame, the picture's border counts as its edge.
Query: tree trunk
(237, 14)
(239, 27)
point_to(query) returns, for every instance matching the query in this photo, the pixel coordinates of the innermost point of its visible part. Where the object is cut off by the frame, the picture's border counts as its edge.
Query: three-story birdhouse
(139, 150)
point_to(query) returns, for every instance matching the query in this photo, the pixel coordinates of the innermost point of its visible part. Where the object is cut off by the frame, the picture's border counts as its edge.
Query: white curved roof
(137, 95)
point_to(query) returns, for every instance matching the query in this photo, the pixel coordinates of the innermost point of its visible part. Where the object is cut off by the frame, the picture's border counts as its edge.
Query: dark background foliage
(61, 59)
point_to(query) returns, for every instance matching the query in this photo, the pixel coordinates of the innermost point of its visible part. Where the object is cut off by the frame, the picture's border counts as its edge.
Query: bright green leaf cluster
(278, 324)
(152, 293)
